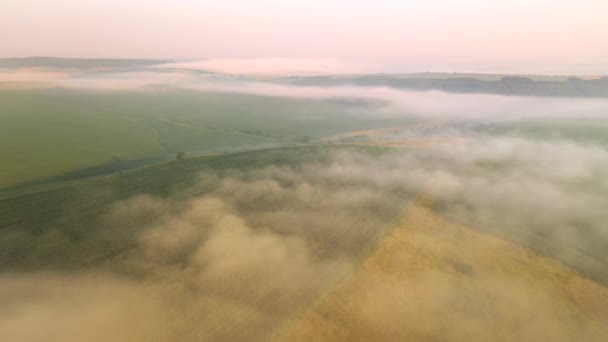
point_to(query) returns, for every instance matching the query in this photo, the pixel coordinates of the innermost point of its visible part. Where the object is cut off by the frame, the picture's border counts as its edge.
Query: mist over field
(387, 100)
(259, 244)
(187, 201)
(248, 253)
(290, 171)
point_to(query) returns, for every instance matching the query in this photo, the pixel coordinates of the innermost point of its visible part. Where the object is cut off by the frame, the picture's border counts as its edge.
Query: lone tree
(181, 155)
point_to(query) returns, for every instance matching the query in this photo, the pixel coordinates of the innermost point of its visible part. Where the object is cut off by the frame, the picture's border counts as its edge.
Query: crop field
(40, 209)
(291, 243)
(284, 171)
(48, 132)
(145, 201)
(432, 278)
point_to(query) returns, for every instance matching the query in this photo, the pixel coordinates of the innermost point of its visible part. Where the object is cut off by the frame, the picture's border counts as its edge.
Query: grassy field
(42, 136)
(434, 280)
(47, 132)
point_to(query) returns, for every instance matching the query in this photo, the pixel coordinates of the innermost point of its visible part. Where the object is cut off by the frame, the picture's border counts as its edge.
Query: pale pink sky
(532, 36)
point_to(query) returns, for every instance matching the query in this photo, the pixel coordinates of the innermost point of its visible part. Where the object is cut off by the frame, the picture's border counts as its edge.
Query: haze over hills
(142, 200)
(157, 109)
(271, 170)
(76, 63)
(517, 85)
(504, 85)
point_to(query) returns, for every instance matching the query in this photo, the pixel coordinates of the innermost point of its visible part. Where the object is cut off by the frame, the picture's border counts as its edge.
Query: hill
(506, 85)
(76, 63)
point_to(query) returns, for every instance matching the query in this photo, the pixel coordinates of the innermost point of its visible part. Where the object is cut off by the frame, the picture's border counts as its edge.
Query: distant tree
(306, 139)
(181, 155)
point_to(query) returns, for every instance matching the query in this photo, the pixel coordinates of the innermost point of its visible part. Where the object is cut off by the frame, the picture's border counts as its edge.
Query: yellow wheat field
(433, 280)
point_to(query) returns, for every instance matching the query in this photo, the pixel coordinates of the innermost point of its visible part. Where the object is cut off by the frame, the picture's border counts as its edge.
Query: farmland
(264, 201)
(286, 171)
(453, 281)
(143, 203)
(47, 132)
(328, 251)
(59, 209)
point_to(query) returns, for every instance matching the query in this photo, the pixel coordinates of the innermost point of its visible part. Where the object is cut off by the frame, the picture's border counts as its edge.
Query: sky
(533, 36)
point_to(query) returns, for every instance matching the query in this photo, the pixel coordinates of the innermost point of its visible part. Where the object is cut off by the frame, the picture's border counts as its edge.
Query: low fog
(389, 102)
(243, 253)
(240, 260)
(273, 67)
(232, 264)
(429, 104)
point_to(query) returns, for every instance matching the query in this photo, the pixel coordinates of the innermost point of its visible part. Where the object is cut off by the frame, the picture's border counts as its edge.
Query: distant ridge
(499, 85)
(77, 63)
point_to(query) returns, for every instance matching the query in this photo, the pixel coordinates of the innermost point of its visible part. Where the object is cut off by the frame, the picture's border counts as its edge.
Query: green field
(48, 132)
(62, 225)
